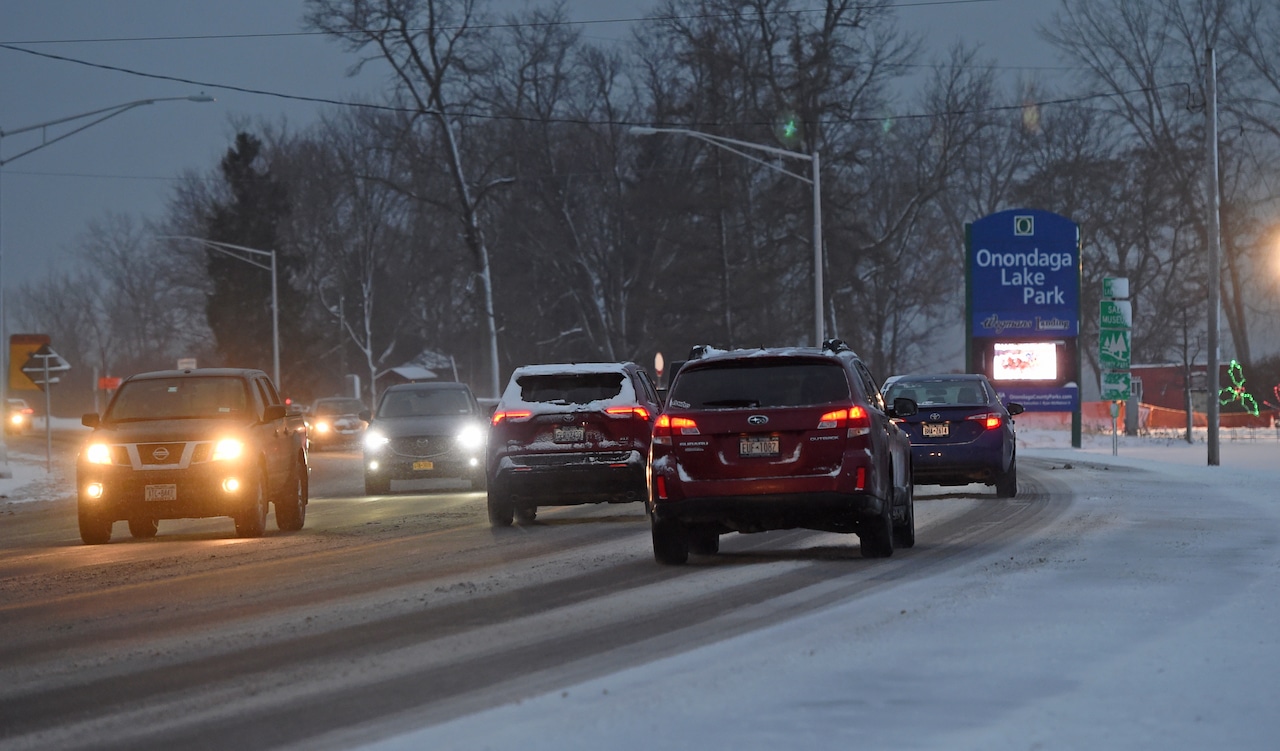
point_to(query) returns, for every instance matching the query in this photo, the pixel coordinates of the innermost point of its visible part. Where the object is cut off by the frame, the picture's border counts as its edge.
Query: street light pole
(105, 113)
(234, 251)
(734, 145)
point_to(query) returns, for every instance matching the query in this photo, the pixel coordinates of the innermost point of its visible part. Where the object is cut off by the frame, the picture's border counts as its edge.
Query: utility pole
(1215, 250)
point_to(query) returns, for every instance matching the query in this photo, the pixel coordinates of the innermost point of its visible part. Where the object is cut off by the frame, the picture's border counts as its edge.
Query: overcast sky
(128, 165)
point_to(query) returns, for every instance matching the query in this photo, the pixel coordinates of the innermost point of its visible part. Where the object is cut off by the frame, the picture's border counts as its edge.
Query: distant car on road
(962, 432)
(569, 434)
(18, 416)
(335, 421)
(763, 439)
(181, 444)
(423, 431)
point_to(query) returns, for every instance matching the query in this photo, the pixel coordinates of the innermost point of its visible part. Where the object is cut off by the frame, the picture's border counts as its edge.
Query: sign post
(1115, 330)
(40, 367)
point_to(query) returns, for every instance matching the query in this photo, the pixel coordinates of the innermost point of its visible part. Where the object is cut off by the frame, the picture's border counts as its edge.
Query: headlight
(227, 448)
(98, 453)
(471, 437)
(373, 440)
(322, 427)
(16, 418)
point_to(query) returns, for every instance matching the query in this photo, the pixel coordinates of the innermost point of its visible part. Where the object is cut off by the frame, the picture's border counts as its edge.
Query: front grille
(425, 445)
(156, 454)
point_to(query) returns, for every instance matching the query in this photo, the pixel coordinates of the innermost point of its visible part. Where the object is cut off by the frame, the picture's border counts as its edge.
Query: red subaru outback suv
(569, 434)
(755, 440)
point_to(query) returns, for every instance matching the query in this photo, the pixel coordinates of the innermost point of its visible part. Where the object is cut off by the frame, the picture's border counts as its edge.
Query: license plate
(935, 431)
(758, 445)
(161, 493)
(570, 434)
(424, 465)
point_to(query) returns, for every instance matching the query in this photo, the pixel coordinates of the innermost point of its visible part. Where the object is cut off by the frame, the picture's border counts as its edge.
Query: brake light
(989, 420)
(638, 412)
(854, 418)
(666, 426)
(511, 415)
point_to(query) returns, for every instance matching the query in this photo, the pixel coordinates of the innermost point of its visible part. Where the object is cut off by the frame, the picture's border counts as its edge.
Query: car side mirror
(274, 412)
(91, 420)
(366, 415)
(1014, 408)
(904, 407)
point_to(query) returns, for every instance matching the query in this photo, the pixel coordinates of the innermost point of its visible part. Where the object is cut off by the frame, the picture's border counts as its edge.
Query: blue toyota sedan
(961, 434)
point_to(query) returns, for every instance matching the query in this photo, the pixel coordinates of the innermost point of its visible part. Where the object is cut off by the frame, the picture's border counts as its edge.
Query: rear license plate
(424, 465)
(935, 431)
(570, 434)
(758, 445)
(161, 493)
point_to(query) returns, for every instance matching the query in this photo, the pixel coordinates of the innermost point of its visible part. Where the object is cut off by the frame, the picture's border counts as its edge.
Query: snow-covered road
(1147, 616)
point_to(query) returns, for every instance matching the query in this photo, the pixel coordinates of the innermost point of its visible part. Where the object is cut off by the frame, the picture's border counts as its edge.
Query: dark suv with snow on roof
(756, 440)
(183, 444)
(569, 434)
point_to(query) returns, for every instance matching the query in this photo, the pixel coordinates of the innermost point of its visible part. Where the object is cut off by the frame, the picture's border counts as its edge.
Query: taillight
(640, 413)
(855, 418)
(511, 415)
(989, 420)
(666, 426)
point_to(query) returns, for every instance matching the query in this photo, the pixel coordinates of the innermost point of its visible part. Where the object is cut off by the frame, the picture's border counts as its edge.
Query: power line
(492, 26)
(566, 121)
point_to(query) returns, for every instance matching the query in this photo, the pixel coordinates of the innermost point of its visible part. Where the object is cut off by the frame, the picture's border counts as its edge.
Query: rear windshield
(339, 407)
(570, 388)
(188, 397)
(959, 393)
(749, 385)
(424, 403)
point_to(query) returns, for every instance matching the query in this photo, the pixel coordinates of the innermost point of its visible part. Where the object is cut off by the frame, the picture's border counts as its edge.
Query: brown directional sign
(20, 348)
(43, 365)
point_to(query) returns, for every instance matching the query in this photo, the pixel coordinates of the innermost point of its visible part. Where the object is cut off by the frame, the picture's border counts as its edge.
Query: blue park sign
(1024, 276)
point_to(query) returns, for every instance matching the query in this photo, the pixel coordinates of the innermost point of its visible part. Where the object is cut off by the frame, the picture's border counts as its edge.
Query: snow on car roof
(513, 398)
(569, 368)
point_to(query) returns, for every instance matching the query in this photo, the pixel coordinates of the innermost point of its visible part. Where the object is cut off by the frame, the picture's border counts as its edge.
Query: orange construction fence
(1097, 416)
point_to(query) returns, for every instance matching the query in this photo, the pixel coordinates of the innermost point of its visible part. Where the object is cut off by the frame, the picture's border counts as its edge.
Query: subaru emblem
(757, 419)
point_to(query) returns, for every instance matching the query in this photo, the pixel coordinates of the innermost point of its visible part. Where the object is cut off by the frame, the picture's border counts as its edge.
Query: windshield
(179, 398)
(744, 384)
(424, 403)
(338, 407)
(570, 388)
(938, 392)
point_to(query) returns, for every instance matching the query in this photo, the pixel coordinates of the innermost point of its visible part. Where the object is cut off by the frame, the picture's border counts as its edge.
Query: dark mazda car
(423, 431)
(569, 434)
(962, 433)
(756, 440)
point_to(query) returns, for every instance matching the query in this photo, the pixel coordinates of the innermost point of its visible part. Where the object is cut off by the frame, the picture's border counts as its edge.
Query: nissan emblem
(160, 454)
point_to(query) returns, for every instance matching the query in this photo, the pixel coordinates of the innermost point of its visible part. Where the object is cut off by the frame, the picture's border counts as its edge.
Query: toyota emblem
(757, 419)
(160, 454)
(935, 416)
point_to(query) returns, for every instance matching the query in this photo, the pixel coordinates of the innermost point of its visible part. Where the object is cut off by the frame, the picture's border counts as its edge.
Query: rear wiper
(732, 403)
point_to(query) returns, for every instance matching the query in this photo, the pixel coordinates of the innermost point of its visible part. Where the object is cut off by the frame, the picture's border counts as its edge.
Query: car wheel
(501, 510)
(144, 529)
(252, 522)
(876, 536)
(670, 543)
(94, 528)
(374, 485)
(904, 532)
(704, 540)
(1007, 482)
(291, 512)
(526, 514)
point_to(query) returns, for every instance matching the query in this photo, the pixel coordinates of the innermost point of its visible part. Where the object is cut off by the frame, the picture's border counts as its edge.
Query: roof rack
(835, 345)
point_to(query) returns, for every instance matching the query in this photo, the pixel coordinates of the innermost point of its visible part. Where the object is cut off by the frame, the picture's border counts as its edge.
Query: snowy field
(1147, 617)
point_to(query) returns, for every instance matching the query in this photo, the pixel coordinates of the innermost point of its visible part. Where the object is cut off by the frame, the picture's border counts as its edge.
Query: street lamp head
(642, 130)
(201, 97)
